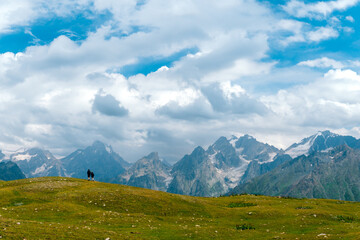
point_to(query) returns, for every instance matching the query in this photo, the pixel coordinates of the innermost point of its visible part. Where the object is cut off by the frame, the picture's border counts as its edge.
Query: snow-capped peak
(303, 148)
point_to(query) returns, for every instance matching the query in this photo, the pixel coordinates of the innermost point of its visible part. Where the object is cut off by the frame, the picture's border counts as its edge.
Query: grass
(241, 204)
(67, 208)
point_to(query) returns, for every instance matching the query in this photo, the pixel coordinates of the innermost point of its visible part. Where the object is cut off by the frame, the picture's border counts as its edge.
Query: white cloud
(108, 105)
(322, 33)
(14, 13)
(48, 92)
(350, 19)
(298, 31)
(330, 102)
(294, 27)
(323, 62)
(319, 9)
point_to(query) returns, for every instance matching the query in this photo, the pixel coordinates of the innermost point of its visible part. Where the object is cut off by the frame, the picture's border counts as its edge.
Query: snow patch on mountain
(40, 169)
(168, 180)
(239, 151)
(22, 157)
(301, 149)
(271, 158)
(212, 158)
(231, 176)
(328, 149)
(233, 140)
(108, 149)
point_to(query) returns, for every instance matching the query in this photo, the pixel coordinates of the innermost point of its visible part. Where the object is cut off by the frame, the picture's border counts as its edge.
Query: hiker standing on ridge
(92, 176)
(89, 174)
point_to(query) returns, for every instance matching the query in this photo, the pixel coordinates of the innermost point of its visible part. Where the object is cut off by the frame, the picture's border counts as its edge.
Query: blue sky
(44, 30)
(142, 74)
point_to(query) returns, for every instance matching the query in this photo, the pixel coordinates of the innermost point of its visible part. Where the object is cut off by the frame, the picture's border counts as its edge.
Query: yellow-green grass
(67, 208)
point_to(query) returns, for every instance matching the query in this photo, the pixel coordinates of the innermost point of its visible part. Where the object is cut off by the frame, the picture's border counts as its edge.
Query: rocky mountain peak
(100, 146)
(245, 140)
(147, 172)
(198, 151)
(221, 140)
(150, 161)
(153, 155)
(327, 133)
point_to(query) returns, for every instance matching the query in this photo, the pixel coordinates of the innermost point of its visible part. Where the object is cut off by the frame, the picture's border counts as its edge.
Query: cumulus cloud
(322, 33)
(319, 9)
(298, 31)
(108, 105)
(330, 102)
(295, 28)
(303, 31)
(232, 99)
(49, 94)
(350, 19)
(200, 109)
(323, 62)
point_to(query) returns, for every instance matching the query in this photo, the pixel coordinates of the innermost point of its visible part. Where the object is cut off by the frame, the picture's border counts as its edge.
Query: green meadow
(68, 208)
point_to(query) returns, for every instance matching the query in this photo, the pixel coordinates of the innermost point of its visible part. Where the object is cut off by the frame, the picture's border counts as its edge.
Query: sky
(167, 76)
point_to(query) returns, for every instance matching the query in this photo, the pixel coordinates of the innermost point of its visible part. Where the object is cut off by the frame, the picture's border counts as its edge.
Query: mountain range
(36, 162)
(218, 169)
(334, 174)
(234, 165)
(98, 157)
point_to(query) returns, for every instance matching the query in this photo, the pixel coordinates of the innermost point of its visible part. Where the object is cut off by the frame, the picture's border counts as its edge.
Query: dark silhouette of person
(92, 176)
(89, 174)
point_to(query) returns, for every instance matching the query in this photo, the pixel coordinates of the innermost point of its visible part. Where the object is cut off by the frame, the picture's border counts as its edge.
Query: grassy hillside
(67, 208)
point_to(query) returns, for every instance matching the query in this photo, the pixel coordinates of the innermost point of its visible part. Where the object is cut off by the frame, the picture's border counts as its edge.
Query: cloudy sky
(168, 75)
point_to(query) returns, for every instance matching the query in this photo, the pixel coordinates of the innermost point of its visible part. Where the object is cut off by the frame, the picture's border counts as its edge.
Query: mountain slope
(148, 172)
(194, 175)
(256, 169)
(67, 208)
(10, 171)
(36, 162)
(99, 158)
(334, 174)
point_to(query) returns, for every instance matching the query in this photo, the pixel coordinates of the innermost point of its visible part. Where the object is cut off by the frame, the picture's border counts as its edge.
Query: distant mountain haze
(36, 162)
